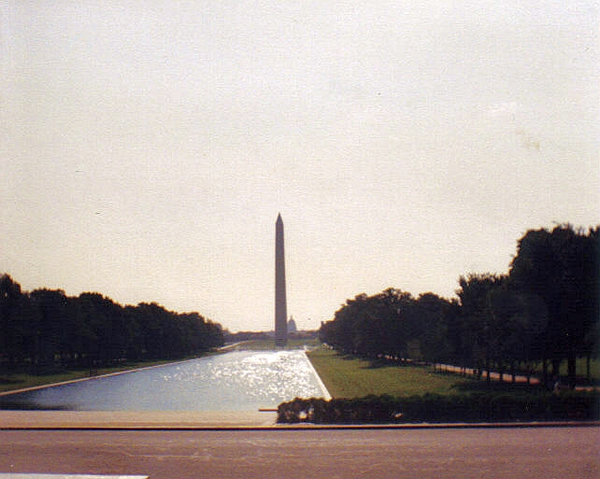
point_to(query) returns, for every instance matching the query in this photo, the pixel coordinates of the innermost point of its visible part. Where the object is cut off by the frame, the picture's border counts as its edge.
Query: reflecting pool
(235, 381)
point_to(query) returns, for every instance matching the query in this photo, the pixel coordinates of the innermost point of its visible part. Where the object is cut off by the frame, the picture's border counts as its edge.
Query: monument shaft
(280, 294)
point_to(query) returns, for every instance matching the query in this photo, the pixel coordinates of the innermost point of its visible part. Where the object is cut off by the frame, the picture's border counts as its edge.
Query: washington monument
(280, 297)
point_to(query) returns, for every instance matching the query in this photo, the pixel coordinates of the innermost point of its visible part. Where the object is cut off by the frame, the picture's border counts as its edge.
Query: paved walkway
(139, 420)
(565, 453)
(507, 377)
(10, 475)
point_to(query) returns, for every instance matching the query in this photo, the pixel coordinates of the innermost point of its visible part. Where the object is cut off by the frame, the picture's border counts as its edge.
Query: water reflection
(236, 381)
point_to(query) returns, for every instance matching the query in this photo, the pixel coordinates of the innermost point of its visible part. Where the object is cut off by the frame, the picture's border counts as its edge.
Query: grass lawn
(349, 377)
(10, 381)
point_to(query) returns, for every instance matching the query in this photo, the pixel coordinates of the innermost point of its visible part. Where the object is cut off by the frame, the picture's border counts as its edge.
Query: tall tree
(433, 313)
(10, 299)
(50, 325)
(481, 323)
(561, 268)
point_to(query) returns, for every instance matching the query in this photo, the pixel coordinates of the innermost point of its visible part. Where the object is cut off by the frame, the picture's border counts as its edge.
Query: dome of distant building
(291, 326)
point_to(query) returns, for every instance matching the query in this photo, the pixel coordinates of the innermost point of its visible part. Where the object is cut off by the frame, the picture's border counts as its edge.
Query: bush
(474, 407)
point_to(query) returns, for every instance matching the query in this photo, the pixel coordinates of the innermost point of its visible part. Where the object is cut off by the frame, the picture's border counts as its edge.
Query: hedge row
(432, 408)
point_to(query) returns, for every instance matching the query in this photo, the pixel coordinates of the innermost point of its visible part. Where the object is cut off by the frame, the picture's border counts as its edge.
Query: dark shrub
(474, 407)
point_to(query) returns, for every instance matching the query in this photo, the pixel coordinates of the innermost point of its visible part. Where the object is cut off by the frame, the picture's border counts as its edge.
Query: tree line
(45, 329)
(544, 310)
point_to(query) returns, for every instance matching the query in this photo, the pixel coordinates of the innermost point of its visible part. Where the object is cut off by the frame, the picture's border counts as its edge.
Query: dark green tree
(561, 268)
(11, 328)
(433, 314)
(481, 324)
(49, 323)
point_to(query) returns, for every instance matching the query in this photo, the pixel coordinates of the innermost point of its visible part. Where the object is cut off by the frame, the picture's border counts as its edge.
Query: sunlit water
(235, 381)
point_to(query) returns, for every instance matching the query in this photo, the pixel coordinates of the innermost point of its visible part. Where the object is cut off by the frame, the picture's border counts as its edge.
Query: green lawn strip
(13, 381)
(348, 377)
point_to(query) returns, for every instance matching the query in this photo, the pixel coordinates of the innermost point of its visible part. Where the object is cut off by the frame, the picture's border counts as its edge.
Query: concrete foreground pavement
(516, 453)
(11, 475)
(129, 420)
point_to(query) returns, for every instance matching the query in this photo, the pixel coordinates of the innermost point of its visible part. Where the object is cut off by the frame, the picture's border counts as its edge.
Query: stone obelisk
(280, 297)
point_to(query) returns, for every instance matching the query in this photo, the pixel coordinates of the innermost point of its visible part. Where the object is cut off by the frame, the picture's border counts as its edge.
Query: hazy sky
(146, 147)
